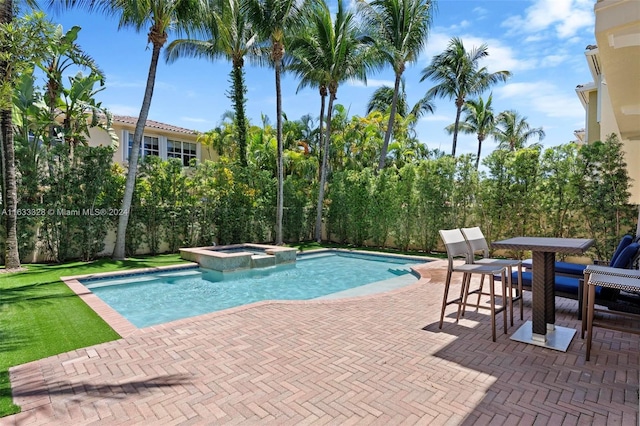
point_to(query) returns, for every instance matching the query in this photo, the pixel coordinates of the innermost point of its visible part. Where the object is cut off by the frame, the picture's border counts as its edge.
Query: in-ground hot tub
(239, 256)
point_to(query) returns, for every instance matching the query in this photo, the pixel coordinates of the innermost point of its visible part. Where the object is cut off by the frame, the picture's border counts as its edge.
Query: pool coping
(125, 328)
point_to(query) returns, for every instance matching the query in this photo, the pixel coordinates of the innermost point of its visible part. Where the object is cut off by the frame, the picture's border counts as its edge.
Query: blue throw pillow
(626, 256)
(624, 243)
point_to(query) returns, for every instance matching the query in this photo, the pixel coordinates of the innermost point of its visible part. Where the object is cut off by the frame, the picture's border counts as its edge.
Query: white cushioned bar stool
(478, 243)
(457, 247)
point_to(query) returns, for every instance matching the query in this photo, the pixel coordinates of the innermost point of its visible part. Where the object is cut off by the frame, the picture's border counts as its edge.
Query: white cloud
(554, 60)
(565, 17)
(463, 24)
(501, 56)
(480, 12)
(542, 97)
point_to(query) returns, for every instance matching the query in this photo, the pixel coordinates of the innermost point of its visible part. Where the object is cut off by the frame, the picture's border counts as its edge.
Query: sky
(542, 43)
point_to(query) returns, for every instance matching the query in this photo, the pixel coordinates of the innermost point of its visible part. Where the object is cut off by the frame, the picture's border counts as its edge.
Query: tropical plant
(382, 99)
(226, 33)
(23, 42)
(274, 21)
(478, 119)
(602, 185)
(159, 16)
(457, 74)
(80, 111)
(400, 28)
(559, 197)
(512, 131)
(340, 51)
(64, 54)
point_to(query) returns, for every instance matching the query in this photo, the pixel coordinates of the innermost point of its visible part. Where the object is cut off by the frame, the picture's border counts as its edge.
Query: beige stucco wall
(593, 125)
(632, 157)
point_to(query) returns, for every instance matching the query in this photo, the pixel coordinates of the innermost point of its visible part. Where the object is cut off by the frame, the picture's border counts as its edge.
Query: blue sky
(542, 42)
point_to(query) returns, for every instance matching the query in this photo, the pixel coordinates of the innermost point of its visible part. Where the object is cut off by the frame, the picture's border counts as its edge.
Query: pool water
(155, 298)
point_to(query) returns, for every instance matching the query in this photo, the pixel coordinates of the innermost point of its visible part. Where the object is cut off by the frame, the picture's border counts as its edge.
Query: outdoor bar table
(543, 331)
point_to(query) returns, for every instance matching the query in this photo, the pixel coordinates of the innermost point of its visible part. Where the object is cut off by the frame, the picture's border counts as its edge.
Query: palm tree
(401, 28)
(382, 99)
(478, 119)
(274, 20)
(338, 51)
(227, 33)
(64, 54)
(159, 16)
(9, 72)
(9, 184)
(512, 131)
(457, 74)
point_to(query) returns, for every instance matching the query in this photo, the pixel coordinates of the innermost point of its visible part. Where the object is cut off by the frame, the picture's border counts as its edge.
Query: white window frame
(195, 155)
(163, 144)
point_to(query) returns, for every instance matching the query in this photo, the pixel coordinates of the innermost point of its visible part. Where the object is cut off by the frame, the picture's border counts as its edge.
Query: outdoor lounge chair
(610, 278)
(571, 286)
(575, 270)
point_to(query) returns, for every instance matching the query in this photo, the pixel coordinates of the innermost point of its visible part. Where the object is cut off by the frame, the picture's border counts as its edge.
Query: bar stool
(478, 243)
(625, 283)
(457, 247)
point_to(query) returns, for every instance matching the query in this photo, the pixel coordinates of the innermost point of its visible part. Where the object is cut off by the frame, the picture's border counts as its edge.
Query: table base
(558, 338)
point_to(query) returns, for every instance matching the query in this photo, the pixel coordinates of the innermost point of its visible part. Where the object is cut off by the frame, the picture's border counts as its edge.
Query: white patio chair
(457, 247)
(478, 243)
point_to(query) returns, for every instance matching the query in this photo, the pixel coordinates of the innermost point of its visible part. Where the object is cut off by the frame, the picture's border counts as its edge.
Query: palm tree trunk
(456, 126)
(123, 219)
(323, 95)
(12, 257)
(10, 194)
(323, 169)
(239, 101)
(480, 139)
(392, 117)
(280, 159)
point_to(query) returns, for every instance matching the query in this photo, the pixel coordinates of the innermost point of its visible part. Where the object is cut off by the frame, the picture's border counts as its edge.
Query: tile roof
(153, 124)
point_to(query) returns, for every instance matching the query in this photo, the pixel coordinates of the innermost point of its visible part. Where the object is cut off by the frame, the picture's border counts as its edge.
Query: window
(184, 150)
(150, 146)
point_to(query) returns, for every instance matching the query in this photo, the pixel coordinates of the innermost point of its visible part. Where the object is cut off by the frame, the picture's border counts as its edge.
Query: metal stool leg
(447, 283)
(590, 312)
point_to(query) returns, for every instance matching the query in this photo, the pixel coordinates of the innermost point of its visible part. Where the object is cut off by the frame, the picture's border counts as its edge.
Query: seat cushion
(565, 268)
(626, 256)
(624, 243)
(570, 268)
(567, 285)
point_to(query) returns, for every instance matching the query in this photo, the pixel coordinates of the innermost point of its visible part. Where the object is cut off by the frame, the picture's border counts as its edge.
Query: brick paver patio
(377, 359)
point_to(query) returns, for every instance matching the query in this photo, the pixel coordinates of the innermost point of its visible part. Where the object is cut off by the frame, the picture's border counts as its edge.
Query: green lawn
(40, 316)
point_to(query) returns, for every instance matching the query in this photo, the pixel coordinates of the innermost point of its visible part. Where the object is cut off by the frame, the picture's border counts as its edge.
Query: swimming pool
(154, 298)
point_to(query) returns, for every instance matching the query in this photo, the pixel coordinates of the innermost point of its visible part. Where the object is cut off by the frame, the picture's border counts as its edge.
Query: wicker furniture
(629, 280)
(478, 243)
(457, 247)
(542, 330)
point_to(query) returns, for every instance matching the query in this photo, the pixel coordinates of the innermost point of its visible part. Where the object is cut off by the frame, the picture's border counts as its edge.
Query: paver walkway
(373, 360)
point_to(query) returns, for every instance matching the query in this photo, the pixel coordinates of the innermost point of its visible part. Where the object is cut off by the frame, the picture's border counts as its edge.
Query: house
(612, 100)
(163, 140)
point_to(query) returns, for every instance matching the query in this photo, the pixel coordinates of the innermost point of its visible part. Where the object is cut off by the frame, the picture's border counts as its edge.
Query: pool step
(402, 270)
(133, 279)
(183, 273)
